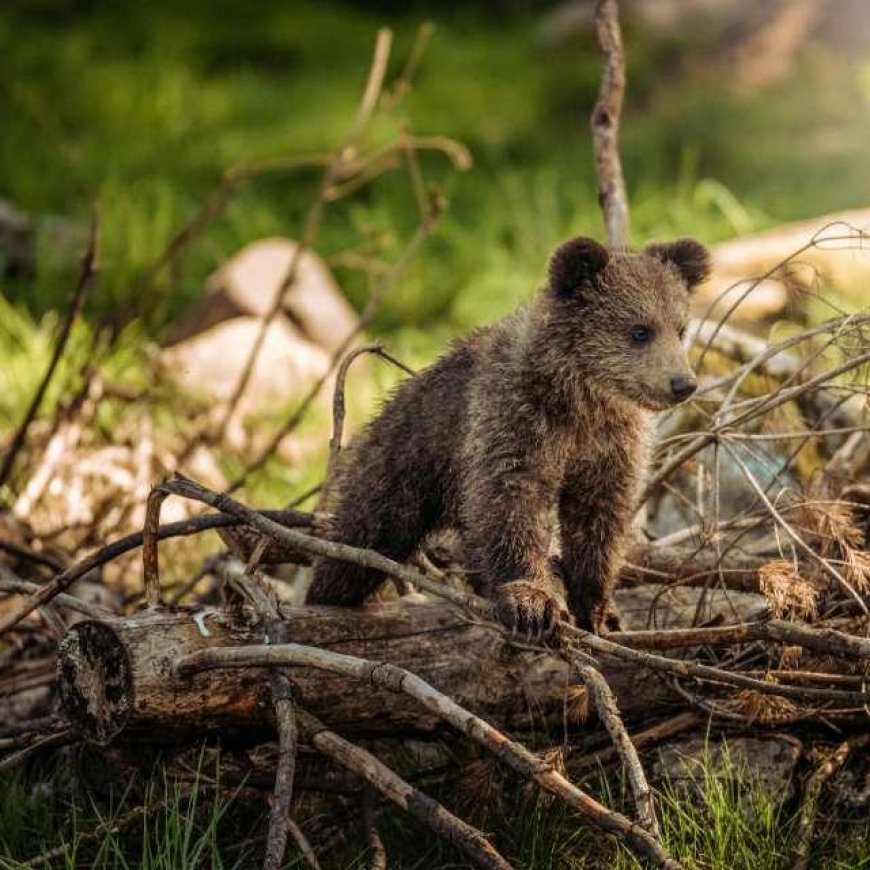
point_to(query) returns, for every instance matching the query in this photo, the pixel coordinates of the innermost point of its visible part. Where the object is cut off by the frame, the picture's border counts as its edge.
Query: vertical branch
(150, 568)
(605, 125)
(279, 809)
(338, 403)
(377, 857)
(280, 820)
(608, 713)
(86, 275)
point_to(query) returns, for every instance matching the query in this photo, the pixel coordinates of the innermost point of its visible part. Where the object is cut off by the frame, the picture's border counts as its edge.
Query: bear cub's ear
(691, 259)
(575, 264)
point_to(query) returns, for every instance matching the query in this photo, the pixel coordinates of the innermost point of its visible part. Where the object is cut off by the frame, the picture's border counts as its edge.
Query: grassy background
(142, 106)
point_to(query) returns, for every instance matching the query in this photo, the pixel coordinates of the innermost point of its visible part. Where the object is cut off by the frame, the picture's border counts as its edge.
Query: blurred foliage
(142, 106)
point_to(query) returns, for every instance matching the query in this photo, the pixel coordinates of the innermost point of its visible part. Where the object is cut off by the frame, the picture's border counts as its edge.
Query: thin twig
(130, 542)
(792, 532)
(377, 856)
(338, 404)
(30, 555)
(823, 640)
(215, 206)
(388, 279)
(280, 820)
(769, 403)
(374, 86)
(303, 843)
(279, 810)
(150, 573)
(14, 586)
(696, 670)
(85, 281)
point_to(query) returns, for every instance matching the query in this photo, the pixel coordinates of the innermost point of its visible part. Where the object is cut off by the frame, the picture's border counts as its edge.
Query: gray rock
(768, 763)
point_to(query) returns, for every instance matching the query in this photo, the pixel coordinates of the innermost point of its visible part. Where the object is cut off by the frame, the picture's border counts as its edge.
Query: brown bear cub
(538, 423)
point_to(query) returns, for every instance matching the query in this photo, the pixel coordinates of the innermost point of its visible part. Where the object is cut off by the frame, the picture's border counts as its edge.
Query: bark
(691, 566)
(118, 674)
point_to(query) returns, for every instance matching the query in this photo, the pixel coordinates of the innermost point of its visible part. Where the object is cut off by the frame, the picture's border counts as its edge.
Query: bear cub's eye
(641, 334)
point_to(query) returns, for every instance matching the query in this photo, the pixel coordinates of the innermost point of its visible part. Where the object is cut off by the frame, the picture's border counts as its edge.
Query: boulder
(767, 763)
(838, 259)
(212, 361)
(246, 286)
(207, 350)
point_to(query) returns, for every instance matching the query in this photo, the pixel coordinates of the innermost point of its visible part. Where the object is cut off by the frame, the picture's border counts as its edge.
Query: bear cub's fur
(537, 423)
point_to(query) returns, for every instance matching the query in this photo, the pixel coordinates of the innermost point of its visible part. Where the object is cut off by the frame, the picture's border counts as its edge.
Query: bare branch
(130, 542)
(85, 281)
(383, 780)
(398, 679)
(605, 125)
(823, 640)
(608, 713)
(338, 406)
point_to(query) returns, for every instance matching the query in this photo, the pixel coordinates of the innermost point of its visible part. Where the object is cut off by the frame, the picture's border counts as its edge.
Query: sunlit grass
(169, 824)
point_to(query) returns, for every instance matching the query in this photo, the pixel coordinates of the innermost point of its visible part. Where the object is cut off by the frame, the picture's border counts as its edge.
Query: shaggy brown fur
(536, 423)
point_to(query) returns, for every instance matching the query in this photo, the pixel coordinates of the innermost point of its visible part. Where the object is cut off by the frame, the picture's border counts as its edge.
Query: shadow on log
(116, 674)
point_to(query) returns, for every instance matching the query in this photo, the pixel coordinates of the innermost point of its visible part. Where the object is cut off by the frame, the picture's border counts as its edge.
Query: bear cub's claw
(529, 610)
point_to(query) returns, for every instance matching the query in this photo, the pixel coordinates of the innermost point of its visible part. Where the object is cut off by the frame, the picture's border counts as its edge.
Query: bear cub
(530, 432)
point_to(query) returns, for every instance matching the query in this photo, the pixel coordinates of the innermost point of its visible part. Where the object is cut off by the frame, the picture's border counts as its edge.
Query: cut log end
(95, 681)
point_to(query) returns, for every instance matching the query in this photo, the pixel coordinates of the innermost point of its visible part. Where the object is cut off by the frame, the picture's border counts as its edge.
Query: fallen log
(117, 674)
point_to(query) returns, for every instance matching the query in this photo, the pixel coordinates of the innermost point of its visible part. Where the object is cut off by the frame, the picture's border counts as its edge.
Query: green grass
(726, 822)
(142, 106)
(159, 823)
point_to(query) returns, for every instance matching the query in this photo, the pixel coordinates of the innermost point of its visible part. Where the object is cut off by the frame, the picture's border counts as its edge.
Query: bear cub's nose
(683, 387)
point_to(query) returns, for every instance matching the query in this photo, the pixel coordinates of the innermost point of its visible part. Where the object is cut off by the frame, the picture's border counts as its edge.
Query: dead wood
(383, 780)
(183, 528)
(605, 125)
(608, 714)
(117, 674)
(377, 857)
(823, 640)
(402, 681)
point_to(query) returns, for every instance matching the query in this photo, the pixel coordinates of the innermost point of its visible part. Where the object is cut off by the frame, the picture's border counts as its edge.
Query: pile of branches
(752, 613)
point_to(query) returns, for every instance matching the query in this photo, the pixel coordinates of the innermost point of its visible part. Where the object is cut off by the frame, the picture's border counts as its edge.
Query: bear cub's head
(621, 317)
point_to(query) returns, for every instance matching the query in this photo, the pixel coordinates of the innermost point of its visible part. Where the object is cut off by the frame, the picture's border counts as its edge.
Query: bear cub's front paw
(601, 619)
(528, 609)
